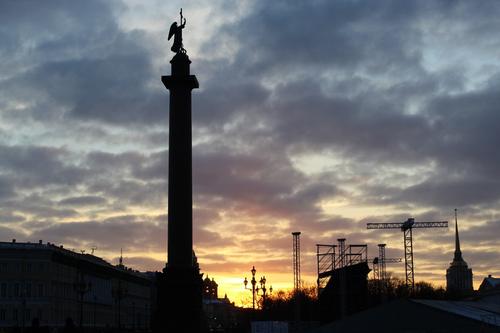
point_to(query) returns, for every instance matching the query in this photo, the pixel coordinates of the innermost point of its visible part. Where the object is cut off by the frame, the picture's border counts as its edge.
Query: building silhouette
(489, 284)
(210, 288)
(458, 275)
(220, 313)
(45, 283)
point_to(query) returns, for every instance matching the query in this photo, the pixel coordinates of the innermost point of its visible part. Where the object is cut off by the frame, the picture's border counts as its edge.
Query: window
(2, 314)
(28, 289)
(16, 289)
(40, 290)
(15, 315)
(27, 315)
(3, 290)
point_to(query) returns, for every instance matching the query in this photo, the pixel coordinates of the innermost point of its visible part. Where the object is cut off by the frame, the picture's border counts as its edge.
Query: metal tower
(376, 266)
(342, 260)
(380, 262)
(407, 227)
(296, 260)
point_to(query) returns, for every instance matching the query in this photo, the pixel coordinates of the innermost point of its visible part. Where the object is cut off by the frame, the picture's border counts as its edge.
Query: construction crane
(380, 262)
(407, 229)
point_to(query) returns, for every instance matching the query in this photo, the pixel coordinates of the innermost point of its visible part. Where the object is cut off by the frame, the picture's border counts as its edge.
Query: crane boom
(387, 260)
(401, 225)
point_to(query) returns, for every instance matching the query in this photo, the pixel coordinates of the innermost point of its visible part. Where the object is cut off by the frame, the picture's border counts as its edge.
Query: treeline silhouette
(303, 305)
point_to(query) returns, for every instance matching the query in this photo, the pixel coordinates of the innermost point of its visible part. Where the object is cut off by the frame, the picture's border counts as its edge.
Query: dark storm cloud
(147, 167)
(86, 67)
(218, 101)
(131, 192)
(95, 89)
(348, 79)
(10, 217)
(362, 127)
(467, 128)
(136, 234)
(109, 162)
(461, 192)
(155, 167)
(360, 119)
(52, 30)
(87, 200)
(6, 188)
(324, 33)
(482, 232)
(32, 166)
(253, 184)
(7, 234)
(38, 207)
(131, 232)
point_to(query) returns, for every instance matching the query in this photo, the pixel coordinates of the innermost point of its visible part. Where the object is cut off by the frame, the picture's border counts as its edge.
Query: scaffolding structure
(331, 257)
(296, 260)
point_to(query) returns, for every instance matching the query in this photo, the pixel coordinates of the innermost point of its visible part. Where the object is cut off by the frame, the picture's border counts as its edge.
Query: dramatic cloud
(314, 116)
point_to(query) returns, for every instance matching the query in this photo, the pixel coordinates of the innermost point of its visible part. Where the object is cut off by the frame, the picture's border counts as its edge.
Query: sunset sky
(312, 116)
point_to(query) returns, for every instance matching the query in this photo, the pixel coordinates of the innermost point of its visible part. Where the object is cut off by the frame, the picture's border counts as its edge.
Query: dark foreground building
(422, 316)
(49, 283)
(345, 293)
(490, 283)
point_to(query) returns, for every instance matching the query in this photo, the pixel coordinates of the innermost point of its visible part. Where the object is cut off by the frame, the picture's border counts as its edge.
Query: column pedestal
(180, 301)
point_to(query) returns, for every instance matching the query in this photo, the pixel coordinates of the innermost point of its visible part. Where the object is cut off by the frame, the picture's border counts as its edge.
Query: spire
(458, 253)
(121, 258)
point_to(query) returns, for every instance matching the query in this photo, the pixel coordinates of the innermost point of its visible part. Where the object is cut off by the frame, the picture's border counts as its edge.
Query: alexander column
(180, 285)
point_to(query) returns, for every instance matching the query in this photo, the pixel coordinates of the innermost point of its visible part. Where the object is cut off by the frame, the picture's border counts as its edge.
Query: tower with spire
(458, 275)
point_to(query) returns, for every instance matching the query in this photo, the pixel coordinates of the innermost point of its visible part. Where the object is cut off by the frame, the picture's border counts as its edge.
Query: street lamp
(255, 290)
(263, 288)
(118, 294)
(81, 289)
(253, 282)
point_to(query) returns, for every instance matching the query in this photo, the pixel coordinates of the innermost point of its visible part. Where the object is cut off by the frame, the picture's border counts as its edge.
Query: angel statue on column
(176, 31)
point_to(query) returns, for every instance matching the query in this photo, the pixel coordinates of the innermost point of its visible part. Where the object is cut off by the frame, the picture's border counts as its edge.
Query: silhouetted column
(180, 202)
(180, 285)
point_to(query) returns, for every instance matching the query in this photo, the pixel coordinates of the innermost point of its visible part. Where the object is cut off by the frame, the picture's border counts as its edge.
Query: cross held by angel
(176, 32)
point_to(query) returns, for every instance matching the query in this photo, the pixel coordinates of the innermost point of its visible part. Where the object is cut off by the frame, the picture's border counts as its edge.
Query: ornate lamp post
(253, 282)
(263, 289)
(255, 289)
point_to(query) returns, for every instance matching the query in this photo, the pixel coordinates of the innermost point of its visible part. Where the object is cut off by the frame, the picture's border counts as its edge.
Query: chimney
(40, 242)
(14, 240)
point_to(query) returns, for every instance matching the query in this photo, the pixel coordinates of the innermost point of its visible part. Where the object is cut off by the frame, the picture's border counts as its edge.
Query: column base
(179, 301)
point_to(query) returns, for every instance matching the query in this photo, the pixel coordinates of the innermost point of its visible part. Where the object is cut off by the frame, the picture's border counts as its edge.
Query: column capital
(172, 82)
